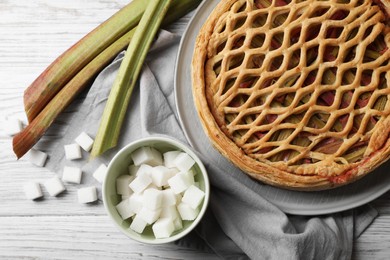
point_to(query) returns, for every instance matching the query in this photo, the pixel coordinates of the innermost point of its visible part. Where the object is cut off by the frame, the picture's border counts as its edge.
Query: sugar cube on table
(122, 184)
(152, 198)
(138, 224)
(37, 157)
(85, 141)
(163, 228)
(149, 215)
(193, 196)
(124, 209)
(169, 157)
(146, 155)
(87, 194)
(32, 190)
(169, 198)
(144, 169)
(12, 126)
(180, 182)
(133, 169)
(183, 162)
(161, 174)
(72, 174)
(54, 186)
(72, 151)
(140, 183)
(136, 202)
(187, 212)
(100, 173)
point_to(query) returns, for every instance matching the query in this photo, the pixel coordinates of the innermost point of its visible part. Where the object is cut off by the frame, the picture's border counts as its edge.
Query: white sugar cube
(32, 190)
(169, 157)
(72, 151)
(157, 157)
(178, 224)
(125, 197)
(140, 183)
(163, 228)
(124, 209)
(12, 126)
(122, 184)
(149, 215)
(152, 198)
(136, 202)
(169, 212)
(138, 224)
(193, 196)
(187, 212)
(193, 172)
(152, 185)
(37, 158)
(190, 177)
(178, 198)
(183, 162)
(87, 194)
(169, 198)
(54, 186)
(161, 174)
(145, 169)
(100, 173)
(72, 174)
(133, 169)
(147, 155)
(180, 182)
(85, 141)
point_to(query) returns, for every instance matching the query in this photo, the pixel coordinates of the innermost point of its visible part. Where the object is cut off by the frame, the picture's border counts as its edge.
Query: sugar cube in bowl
(119, 166)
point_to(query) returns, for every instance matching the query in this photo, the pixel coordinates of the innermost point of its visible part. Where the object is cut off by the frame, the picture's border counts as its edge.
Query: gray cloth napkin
(238, 224)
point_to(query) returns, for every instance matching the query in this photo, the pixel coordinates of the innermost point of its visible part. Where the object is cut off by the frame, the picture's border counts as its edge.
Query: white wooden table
(32, 35)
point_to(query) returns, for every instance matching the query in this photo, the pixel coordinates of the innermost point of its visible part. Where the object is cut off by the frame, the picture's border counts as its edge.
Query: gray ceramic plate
(293, 202)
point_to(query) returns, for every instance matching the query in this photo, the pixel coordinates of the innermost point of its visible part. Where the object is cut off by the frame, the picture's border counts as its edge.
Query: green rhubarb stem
(118, 100)
(262, 3)
(66, 66)
(29, 136)
(372, 54)
(25, 140)
(380, 103)
(356, 155)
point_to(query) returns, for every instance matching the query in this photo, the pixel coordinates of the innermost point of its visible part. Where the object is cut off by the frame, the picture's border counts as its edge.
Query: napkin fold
(239, 224)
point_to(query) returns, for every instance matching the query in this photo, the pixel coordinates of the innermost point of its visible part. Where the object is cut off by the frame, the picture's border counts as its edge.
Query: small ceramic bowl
(119, 166)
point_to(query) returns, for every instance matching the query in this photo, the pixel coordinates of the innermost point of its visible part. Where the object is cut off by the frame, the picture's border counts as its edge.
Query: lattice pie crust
(296, 93)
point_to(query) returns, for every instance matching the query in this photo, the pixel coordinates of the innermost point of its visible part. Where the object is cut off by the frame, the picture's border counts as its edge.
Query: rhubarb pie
(296, 92)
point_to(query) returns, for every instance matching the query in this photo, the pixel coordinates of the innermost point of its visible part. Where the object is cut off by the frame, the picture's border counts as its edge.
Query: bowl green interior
(119, 166)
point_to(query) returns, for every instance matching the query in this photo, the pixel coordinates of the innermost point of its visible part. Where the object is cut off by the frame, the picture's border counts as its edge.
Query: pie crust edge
(256, 169)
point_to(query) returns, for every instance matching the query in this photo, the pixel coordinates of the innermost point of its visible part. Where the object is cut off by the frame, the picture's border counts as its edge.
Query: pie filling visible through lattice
(296, 93)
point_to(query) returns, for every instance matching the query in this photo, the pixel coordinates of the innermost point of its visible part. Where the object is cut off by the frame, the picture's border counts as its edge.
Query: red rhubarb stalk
(66, 66)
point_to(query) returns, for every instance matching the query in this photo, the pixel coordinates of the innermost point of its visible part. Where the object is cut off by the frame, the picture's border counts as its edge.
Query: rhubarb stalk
(26, 139)
(118, 100)
(66, 66)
